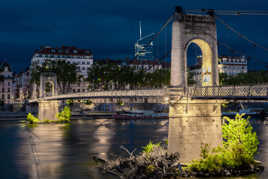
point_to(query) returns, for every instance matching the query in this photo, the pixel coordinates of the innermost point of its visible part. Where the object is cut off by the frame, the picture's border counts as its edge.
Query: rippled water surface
(63, 151)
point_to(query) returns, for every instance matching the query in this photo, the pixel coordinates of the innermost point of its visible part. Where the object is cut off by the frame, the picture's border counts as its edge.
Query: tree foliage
(32, 119)
(65, 72)
(250, 78)
(240, 144)
(64, 115)
(239, 140)
(110, 75)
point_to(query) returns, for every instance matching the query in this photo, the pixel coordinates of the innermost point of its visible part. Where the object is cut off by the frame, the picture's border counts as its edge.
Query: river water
(60, 151)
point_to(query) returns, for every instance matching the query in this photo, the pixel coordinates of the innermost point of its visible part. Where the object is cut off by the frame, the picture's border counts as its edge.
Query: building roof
(232, 57)
(64, 50)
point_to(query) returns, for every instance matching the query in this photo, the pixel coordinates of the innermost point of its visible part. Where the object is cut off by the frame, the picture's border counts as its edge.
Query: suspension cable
(230, 12)
(255, 44)
(162, 28)
(230, 48)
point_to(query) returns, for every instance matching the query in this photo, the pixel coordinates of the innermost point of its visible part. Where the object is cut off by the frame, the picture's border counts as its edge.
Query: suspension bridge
(194, 112)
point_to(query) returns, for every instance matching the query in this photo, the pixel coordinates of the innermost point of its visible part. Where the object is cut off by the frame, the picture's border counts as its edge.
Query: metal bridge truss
(225, 92)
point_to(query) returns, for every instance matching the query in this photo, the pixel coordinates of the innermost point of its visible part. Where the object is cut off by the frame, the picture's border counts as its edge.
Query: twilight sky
(110, 27)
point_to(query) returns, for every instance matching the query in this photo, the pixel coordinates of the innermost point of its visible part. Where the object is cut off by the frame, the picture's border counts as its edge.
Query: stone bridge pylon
(47, 109)
(193, 122)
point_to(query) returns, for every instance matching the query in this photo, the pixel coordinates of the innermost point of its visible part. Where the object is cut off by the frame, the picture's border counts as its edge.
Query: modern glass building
(144, 47)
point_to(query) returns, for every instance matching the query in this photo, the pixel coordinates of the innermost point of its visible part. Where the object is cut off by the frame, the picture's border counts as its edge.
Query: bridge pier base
(47, 110)
(191, 124)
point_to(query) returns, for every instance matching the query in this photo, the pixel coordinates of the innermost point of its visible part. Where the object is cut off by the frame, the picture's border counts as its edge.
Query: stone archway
(198, 29)
(52, 80)
(49, 88)
(206, 70)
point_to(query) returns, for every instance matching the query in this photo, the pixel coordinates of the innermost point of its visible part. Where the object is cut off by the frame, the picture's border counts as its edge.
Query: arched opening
(199, 57)
(194, 64)
(49, 88)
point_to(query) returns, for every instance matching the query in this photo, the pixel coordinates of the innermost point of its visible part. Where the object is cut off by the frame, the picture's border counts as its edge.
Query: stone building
(226, 64)
(7, 86)
(83, 58)
(23, 86)
(232, 65)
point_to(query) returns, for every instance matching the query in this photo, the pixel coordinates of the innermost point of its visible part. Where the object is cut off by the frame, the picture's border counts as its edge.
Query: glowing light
(207, 77)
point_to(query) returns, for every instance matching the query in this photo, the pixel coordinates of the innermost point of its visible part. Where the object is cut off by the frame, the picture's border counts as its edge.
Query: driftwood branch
(131, 154)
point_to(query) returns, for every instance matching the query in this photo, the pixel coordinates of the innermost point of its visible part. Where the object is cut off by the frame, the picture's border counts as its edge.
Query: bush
(32, 119)
(150, 147)
(240, 145)
(240, 142)
(64, 115)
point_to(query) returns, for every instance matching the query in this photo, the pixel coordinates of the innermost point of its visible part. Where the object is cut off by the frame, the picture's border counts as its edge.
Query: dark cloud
(109, 28)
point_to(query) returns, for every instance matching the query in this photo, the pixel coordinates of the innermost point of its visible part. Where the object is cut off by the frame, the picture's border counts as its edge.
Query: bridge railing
(114, 93)
(213, 92)
(228, 91)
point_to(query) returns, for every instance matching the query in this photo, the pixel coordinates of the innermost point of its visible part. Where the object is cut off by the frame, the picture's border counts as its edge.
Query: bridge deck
(259, 92)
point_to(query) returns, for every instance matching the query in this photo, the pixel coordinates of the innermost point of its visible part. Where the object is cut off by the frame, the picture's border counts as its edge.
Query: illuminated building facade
(7, 87)
(232, 65)
(226, 64)
(83, 58)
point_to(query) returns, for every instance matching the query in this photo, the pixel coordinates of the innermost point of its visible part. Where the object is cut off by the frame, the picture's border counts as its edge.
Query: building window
(78, 90)
(74, 90)
(3, 96)
(8, 96)
(83, 90)
(8, 83)
(8, 90)
(3, 90)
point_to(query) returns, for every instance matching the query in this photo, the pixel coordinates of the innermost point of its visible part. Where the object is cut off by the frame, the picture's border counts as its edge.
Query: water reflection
(61, 152)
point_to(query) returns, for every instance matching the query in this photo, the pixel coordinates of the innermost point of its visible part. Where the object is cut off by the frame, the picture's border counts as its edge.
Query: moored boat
(247, 112)
(139, 114)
